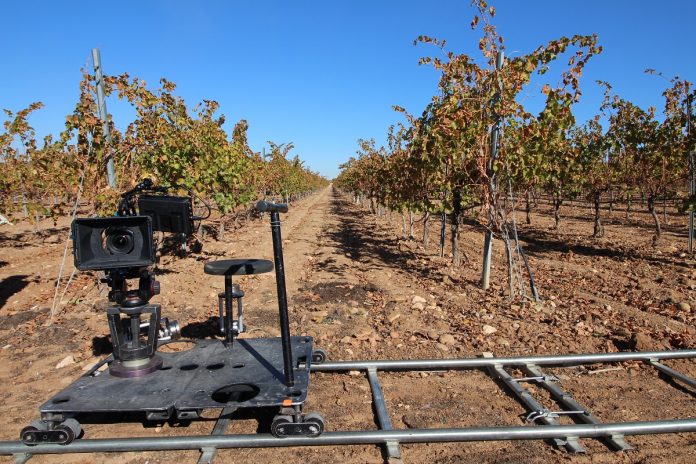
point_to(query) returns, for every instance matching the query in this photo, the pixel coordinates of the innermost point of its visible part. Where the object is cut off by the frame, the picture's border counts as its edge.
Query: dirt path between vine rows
(365, 292)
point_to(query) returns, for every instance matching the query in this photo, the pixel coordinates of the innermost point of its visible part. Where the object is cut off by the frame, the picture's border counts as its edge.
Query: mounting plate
(209, 375)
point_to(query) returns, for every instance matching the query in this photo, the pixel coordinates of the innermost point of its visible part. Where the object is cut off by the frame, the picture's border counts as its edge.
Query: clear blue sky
(320, 74)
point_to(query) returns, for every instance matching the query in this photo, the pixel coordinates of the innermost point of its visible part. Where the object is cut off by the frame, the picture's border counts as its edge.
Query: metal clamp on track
(546, 414)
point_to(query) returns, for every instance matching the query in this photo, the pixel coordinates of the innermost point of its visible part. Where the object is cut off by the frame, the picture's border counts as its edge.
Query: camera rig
(123, 247)
(224, 372)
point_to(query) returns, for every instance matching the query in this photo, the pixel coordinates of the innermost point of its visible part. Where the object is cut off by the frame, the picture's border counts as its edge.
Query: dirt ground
(352, 279)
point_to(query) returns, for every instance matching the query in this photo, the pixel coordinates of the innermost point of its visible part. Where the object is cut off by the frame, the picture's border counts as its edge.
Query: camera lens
(119, 241)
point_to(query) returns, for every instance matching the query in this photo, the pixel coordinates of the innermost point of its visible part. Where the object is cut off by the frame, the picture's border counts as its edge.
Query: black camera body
(107, 243)
(126, 240)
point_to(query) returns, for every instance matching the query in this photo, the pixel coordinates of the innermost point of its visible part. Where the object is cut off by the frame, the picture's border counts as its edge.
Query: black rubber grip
(267, 206)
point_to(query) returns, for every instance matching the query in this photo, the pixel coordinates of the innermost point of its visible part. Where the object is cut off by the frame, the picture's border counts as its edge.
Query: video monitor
(168, 213)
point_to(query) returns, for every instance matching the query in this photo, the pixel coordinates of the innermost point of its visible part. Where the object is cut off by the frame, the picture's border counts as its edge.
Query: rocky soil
(364, 291)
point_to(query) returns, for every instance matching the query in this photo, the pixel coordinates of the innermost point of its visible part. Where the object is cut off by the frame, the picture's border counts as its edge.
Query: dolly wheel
(279, 426)
(61, 434)
(317, 424)
(28, 435)
(318, 356)
(71, 427)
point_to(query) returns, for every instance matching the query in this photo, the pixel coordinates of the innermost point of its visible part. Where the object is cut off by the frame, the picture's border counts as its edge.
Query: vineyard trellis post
(692, 183)
(443, 225)
(488, 241)
(443, 222)
(103, 115)
(692, 191)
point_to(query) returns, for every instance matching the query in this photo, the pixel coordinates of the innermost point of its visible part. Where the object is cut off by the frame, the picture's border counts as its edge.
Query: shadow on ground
(11, 285)
(539, 243)
(370, 248)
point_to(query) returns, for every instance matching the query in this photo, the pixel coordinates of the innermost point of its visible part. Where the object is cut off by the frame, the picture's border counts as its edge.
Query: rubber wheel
(317, 420)
(318, 356)
(69, 433)
(35, 426)
(73, 425)
(277, 426)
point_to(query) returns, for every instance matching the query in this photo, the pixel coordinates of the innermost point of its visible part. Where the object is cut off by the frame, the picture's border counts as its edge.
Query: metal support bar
(542, 413)
(692, 181)
(383, 419)
(208, 453)
(672, 373)
(108, 445)
(534, 378)
(535, 408)
(103, 115)
(229, 336)
(282, 298)
(473, 363)
(487, 255)
(566, 400)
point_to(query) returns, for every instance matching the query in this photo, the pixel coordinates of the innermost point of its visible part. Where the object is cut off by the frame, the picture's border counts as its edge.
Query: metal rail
(472, 363)
(673, 373)
(542, 414)
(263, 440)
(617, 442)
(382, 413)
(209, 453)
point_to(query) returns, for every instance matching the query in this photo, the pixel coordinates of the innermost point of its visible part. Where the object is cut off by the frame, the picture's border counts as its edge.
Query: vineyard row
(183, 148)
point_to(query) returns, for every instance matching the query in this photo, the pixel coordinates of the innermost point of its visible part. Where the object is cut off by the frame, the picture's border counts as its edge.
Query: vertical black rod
(282, 298)
(135, 331)
(228, 311)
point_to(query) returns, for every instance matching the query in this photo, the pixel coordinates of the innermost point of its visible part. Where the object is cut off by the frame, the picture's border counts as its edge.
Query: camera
(113, 243)
(126, 241)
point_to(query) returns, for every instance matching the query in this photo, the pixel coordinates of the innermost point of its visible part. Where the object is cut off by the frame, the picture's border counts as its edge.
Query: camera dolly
(140, 381)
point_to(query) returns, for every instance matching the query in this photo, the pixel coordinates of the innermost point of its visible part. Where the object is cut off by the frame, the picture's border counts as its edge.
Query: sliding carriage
(142, 379)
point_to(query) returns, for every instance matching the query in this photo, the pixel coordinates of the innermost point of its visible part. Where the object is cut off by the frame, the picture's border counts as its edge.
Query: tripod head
(119, 293)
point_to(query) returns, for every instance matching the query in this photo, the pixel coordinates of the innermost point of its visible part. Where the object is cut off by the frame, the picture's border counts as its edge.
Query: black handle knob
(267, 206)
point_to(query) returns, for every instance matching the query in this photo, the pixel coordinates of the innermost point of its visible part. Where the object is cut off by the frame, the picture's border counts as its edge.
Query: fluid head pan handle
(267, 206)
